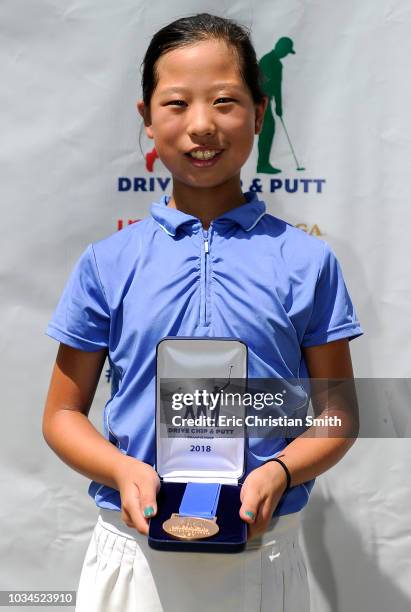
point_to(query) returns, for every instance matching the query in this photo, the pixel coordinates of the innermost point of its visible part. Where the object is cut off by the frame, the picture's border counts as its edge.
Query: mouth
(204, 158)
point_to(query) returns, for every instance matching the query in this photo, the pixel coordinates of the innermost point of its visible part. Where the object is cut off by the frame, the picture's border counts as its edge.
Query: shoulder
(121, 242)
(298, 256)
(116, 255)
(293, 242)
(123, 237)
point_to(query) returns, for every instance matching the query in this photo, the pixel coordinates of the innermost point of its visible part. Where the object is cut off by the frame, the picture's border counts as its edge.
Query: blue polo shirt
(251, 276)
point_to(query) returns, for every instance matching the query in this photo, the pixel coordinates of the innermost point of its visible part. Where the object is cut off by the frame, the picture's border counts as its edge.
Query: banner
(331, 160)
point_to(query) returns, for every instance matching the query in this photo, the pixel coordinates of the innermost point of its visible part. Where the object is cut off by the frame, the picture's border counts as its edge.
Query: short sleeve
(82, 317)
(333, 315)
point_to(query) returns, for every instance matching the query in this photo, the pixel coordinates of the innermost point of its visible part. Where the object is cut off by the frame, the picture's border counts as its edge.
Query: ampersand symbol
(256, 186)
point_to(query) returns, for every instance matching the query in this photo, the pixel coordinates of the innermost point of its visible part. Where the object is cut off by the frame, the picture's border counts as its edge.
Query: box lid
(198, 368)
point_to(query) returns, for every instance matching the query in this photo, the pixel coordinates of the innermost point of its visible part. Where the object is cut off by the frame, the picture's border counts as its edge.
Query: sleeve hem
(344, 331)
(74, 341)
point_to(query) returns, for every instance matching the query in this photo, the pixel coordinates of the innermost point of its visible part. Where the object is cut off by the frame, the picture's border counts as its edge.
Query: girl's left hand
(261, 491)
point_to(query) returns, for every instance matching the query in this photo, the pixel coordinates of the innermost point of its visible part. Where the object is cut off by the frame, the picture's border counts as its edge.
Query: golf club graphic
(291, 146)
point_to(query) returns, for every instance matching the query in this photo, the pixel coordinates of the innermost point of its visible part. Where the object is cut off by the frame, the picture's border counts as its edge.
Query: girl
(208, 261)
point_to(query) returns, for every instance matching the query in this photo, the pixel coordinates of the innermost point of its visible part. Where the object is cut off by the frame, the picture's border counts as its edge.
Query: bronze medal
(190, 527)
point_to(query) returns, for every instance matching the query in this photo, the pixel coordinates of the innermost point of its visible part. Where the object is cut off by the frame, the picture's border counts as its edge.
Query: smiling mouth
(204, 155)
(204, 162)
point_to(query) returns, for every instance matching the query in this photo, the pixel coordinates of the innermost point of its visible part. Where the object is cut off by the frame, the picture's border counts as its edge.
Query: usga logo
(313, 230)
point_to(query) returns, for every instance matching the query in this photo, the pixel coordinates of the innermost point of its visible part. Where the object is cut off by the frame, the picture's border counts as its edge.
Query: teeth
(203, 154)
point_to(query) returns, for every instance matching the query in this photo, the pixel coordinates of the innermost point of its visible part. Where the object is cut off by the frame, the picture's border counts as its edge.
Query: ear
(259, 113)
(145, 113)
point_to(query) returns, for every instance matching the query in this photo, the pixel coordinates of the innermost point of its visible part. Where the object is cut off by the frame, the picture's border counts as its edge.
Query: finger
(259, 526)
(249, 508)
(148, 506)
(132, 515)
(138, 501)
(147, 499)
(131, 508)
(256, 530)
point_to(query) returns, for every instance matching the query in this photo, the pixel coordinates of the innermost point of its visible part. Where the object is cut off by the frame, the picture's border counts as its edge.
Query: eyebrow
(216, 86)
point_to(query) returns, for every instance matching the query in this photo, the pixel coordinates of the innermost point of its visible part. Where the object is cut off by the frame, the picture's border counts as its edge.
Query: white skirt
(121, 573)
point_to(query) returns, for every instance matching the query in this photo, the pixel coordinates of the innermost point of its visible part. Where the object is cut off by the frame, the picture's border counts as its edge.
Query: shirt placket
(205, 305)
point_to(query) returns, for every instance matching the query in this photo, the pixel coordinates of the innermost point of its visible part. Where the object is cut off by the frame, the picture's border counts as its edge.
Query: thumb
(148, 503)
(249, 508)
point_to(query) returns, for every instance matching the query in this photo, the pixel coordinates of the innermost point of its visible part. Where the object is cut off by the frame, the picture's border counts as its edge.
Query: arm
(307, 456)
(70, 434)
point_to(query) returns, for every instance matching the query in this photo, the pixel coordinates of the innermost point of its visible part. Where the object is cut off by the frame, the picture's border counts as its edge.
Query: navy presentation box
(182, 364)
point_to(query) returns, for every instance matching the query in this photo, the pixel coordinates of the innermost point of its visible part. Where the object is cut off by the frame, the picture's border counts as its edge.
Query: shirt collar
(246, 215)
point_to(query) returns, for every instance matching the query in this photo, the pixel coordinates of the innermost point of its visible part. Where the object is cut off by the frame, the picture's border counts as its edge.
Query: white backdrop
(70, 80)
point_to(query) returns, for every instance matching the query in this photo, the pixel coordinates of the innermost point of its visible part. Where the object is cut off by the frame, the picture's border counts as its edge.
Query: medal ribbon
(200, 499)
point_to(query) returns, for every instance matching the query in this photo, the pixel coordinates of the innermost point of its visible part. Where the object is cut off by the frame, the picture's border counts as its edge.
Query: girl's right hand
(138, 484)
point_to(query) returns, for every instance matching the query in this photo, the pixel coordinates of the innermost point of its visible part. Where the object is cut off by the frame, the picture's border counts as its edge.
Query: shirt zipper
(206, 239)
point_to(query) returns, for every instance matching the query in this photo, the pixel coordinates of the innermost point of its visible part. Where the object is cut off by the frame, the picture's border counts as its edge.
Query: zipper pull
(205, 236)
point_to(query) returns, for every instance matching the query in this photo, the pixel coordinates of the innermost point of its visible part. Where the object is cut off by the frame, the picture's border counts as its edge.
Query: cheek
(166, 127)
(242, 129)
(242, 124)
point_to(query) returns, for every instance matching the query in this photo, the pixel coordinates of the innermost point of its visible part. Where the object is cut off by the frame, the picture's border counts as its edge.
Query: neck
(207, 203)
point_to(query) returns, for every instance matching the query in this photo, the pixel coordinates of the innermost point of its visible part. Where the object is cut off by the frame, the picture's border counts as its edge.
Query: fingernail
(250, 514)
(148, 510)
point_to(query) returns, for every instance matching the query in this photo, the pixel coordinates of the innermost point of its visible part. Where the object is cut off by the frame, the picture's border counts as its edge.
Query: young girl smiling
(209, 261)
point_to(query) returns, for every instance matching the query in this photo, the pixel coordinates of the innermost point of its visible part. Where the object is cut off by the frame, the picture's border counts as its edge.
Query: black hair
(195, 28)
(203, 26)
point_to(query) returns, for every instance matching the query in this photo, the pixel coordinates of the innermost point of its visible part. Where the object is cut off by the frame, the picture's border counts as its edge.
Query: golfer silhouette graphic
(272, 71)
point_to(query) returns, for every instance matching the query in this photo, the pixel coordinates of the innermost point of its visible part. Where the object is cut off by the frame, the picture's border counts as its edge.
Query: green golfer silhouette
(272, 70)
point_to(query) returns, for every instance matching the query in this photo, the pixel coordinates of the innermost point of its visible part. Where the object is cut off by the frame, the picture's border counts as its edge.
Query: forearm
(325, 443)
(77, 442)
(308, 457)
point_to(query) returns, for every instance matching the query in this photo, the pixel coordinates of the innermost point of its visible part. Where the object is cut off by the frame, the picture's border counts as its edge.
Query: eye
(177, 102)
(181, 102)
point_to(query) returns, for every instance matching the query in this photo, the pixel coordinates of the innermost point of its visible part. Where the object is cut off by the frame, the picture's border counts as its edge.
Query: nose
(200, 121)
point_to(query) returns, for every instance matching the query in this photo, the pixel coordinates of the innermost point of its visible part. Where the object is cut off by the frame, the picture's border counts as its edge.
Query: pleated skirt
(121, 573)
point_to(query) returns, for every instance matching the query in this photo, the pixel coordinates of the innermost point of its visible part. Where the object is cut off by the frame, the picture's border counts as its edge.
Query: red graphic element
(151, 157)
(120, 223)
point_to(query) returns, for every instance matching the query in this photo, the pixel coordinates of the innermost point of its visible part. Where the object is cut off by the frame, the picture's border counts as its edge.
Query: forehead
(204, 64)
